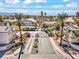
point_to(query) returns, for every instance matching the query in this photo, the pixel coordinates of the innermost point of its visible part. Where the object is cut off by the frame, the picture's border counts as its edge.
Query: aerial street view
(39, 29)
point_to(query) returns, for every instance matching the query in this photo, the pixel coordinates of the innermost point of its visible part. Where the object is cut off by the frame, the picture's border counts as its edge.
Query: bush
(25, 28)
(76, 33)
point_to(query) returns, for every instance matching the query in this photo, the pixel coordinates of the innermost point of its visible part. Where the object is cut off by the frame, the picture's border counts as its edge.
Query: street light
(19, 17)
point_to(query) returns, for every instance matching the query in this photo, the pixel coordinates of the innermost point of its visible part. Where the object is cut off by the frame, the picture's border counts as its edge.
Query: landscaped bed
(17, 44)
(12, 50)
(66, 49)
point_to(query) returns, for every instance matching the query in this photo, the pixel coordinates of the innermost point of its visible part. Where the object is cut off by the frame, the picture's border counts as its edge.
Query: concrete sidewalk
(58, 50)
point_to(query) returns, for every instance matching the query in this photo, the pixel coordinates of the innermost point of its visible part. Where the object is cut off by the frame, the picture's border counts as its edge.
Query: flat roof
(4, 28)
(31, 19)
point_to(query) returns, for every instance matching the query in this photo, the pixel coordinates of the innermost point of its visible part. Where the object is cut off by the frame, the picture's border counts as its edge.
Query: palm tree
(45, 14)
(76, 21)
(77, 15)
(41, 13)
(19, 17)
(61, 18)
(1, 18)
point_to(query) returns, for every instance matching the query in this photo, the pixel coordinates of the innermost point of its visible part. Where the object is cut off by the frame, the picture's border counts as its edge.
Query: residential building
(6, 34)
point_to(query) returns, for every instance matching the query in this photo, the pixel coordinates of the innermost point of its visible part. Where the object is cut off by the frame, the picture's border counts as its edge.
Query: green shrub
(25, 28)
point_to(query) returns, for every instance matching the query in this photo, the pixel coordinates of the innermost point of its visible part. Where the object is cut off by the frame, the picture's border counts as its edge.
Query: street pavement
(45, 46)
(30, 43)
(45, 49)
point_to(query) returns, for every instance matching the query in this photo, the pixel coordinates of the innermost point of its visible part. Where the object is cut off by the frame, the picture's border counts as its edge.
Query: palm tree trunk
(61, 38)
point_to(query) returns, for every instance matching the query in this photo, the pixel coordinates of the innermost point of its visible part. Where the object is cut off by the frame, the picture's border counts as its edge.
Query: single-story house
(6, 34)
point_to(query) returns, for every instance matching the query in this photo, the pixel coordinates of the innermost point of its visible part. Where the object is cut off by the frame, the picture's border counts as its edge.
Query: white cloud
(7, 6)
(12, 1)
(21, 10)
(38, 6)
(40, 1)
(34, 1)
(66, 0)
(25, 6)
(28, 1)
(2, 9)
(1, 4)
(72, 5)
(34, 12)
(57, 6)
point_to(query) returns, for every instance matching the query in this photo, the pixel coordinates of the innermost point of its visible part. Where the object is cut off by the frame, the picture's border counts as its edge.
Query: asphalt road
(45, 46)
(45, 49)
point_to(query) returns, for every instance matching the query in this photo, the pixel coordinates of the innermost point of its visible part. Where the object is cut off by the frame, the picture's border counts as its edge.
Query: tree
(76, 21)
(45, 14)
(61, 18)
(19, 17)
(1, 18)
(41, 13)
(77, 15)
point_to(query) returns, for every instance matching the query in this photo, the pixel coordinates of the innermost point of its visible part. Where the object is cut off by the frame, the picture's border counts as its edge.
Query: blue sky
(34, 7)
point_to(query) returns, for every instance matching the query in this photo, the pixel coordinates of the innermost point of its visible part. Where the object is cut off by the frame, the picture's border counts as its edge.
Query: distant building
(31, 20)
(30, 23)
(6, 34)
(49, 22)
(69, 20)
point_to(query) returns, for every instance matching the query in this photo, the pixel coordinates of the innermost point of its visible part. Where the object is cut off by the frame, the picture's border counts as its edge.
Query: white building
(30, 23)
(5, 34)
(49, 22)
(31, 19)
(69, 20)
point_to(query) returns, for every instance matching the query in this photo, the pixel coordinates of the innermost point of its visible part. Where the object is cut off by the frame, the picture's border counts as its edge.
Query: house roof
(13, 20)
(48, 22)
(4, 28)
(31, 19)
(70, 19)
